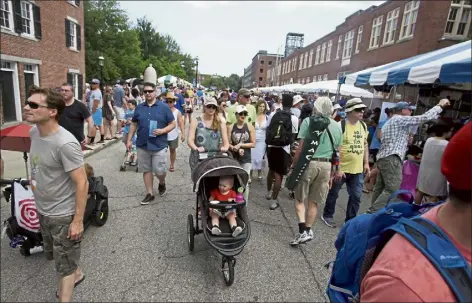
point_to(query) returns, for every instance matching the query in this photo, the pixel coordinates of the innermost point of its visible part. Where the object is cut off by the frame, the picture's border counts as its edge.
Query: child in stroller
(224, 192)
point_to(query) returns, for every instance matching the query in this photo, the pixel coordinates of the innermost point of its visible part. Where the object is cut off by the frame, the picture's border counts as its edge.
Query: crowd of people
(348, 146)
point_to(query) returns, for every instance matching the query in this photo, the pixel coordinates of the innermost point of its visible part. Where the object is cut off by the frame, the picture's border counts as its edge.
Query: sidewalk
(15, 164)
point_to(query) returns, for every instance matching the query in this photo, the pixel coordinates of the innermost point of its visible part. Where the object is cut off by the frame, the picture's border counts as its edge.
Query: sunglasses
(33, 105)
(211, 106)
(243, 114)
(170, 101)
(148, 91)
(247, 96)
(359, 110)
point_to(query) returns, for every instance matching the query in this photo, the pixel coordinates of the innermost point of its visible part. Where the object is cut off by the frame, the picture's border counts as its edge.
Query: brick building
(392, 31)
(256, 73)
(41, 44)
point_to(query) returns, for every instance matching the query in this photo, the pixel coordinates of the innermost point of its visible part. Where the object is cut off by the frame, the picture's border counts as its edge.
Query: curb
(89, 153)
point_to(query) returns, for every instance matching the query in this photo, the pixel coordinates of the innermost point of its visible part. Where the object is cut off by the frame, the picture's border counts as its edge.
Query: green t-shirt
(231, 117)
(325, 149)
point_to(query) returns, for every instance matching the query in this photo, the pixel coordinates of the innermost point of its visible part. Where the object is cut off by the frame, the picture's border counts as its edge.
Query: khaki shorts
(153, 161)
(314, 185)
(174, 143)
(66, 252)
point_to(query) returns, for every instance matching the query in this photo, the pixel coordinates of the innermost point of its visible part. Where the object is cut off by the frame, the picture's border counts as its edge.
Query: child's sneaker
(126, 162)
(236, 230)
(215, 230)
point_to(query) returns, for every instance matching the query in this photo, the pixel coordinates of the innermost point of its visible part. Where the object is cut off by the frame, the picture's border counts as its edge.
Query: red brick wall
(256, 66)
(429, 30)
(56, 58)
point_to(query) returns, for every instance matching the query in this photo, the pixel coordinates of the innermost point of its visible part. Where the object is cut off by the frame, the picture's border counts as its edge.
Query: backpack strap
(343, 125)
(435, 245)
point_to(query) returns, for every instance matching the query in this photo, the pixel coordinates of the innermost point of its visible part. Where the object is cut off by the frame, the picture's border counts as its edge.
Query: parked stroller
(126, 164)
(22, 228)
(205, 177)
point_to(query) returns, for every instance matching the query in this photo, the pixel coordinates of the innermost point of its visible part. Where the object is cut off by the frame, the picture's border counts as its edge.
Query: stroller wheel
(137, 169)
(190, 233)
(100, 216)
(122, 168)
(25, 249)
(227, 267)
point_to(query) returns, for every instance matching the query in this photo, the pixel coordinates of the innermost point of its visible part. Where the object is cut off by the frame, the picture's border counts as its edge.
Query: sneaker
(215, 230)
(236, 230)
(310, 235)
(162, 189)
(275, 204)
(269, 195)
(147, 199)
(300, 239)
(328, 221)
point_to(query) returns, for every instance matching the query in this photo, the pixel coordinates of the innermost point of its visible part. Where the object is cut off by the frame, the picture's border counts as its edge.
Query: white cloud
(293, 5)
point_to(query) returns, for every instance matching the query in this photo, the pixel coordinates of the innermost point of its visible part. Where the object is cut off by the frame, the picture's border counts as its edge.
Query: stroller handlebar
(205, 154)
(11, 181)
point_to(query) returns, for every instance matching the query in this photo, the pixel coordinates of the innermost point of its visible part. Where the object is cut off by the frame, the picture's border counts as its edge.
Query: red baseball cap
(456, 163)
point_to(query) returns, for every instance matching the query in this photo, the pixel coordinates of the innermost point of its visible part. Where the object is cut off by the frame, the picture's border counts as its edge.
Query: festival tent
(448, 65)
(332, 87)
(167, 79)
(289, 87)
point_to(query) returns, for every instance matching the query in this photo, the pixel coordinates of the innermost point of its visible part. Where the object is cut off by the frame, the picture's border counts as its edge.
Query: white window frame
(314, 79)
(310, 58)
(11, 26)
(307, 80)
(325, 77)
(391, 25)
(294, 64)
(305, 62)
(13, 67)
(340, 42)
(359, 38)
(300, 65)
(328, 50)
(410, 14)
(320, 78)
(458, 19)
(375, 32)
(73, 23)
(72, 2)
(29, 10)
(317, 56)
(348, 44)
(323, 50)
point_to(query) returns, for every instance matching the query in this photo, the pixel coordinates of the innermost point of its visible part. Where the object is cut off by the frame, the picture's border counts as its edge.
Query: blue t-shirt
(96, 95)
(179, 104)
(118, 95)
(199, 93)
(375, 143)
(156, 116)
(128, 116)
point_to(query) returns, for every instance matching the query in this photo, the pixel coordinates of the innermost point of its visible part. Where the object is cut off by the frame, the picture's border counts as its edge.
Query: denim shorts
(97, 117)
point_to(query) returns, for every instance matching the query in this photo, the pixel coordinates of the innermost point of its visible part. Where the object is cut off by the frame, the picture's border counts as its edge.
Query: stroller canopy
(218, 166)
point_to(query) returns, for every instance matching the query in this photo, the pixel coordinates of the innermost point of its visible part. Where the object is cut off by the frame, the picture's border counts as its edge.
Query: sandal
(75, 285)
(171, 169)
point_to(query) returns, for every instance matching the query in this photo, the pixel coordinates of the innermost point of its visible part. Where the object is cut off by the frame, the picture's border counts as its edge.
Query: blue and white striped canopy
(448, 65)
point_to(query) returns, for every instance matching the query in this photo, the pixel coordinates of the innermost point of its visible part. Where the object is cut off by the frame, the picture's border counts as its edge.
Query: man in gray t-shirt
(59, 185)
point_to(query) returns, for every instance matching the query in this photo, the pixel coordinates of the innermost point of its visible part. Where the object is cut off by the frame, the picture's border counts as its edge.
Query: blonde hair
(89, 170)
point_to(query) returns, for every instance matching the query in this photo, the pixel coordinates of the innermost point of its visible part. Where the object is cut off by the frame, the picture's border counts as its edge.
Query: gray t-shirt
(118, 95)
(52, 158)
(96, 95)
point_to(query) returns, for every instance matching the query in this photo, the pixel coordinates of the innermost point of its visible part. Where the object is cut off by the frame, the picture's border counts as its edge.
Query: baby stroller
(23, 229)
(133, 165)
(205, 177)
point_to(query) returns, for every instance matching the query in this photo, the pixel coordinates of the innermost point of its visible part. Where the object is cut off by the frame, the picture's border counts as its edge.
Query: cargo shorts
(66, 252)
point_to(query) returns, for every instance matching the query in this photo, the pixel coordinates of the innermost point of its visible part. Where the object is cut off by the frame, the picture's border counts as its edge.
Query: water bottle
(36, 249)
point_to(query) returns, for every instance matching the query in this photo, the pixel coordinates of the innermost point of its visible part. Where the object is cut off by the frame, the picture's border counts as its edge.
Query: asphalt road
(141, 253)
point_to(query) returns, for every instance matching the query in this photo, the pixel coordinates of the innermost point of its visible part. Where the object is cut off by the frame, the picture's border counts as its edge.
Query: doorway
(8, 96)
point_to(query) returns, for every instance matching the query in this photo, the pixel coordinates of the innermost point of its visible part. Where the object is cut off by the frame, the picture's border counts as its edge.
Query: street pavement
(141, 253)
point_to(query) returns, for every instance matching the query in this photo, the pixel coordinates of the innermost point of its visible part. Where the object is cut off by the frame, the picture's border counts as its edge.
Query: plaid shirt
(396, 131)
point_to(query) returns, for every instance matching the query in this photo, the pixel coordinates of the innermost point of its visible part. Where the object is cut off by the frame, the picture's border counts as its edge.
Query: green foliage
(129, 48)
(233, 82)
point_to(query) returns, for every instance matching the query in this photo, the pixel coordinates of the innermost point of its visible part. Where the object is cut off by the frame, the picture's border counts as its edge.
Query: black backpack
(279, 132)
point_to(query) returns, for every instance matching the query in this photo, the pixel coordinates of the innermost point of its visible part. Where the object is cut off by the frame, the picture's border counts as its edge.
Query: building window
(303, 81)
(375, 34)
(27, 18)
(314, 79)
(260, 78)
(76, 80)
(270, 62)
(305, 63)
(288, 66)
(325, 77)
(294, 64)
(323, 50)
(340, 42)
(320, 78)
(6, 16)
(261, 70)
(391, 26)
(6, 65)
(307, 79)
(74, 2)
(73, 35)
(359, 38)
(300, 65)
(262, 62)
(317, 57)
(348, 42)
(409, 19)
(328, 50)
(459, 19)
(310, 58)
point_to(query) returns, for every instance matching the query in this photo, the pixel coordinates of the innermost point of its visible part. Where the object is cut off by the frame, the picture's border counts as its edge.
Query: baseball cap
(244, 92)
(211, 101)
(297, 99)
(404, 105)
(353, 104)
(240, 109)
(456, 160)
(95, 81)
(336, 106)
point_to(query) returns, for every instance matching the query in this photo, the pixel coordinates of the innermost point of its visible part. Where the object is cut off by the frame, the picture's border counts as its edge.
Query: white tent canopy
(332, 87)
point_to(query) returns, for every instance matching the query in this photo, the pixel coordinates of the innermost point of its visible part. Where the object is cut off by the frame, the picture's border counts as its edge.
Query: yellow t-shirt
(352, 148)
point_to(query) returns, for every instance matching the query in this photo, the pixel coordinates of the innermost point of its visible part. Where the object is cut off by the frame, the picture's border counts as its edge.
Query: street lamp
(101, 62)
(196, 72)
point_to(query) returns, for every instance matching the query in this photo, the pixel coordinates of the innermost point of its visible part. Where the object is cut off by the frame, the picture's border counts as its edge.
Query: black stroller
(29, 242)
(205, 178)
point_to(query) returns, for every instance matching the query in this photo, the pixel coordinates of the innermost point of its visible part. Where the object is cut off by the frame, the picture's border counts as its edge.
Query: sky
(226, 35)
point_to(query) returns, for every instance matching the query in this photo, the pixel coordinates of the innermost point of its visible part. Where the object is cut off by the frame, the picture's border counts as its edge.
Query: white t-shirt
(294, 129)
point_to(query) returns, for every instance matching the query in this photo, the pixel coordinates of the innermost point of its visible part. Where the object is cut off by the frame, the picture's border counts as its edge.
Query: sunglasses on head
(33, 105)
(148, 91)
(211, 106)
(243, 114)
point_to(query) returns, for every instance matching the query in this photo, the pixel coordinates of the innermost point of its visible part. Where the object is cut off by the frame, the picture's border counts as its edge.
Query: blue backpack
(361, 239)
